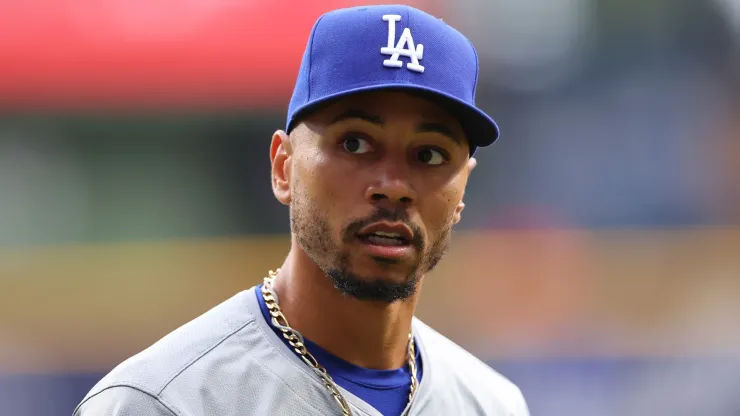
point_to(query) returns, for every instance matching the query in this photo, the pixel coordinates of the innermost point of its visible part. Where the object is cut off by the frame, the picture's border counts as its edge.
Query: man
(373, 164)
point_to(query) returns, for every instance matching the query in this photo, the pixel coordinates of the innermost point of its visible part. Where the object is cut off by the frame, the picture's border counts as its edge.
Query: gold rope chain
(295, 339)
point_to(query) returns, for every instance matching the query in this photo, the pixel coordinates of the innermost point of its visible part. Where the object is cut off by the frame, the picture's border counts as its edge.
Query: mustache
(384, 214)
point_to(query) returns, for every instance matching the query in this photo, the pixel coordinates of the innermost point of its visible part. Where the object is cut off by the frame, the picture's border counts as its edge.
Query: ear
(461, 205)
(458, 212)
(281, 153)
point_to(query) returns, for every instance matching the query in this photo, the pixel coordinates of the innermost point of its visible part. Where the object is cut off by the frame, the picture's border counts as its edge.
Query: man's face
(375, 183)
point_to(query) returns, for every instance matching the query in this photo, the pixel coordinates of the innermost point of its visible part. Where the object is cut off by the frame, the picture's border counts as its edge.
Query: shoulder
(469, 377)
(124, 401)
(212, 337)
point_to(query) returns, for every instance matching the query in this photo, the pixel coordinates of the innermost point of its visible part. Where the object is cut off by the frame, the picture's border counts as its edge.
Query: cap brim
(480, 129)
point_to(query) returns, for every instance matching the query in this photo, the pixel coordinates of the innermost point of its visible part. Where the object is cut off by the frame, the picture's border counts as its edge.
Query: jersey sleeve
(521, 409)
(123, 401)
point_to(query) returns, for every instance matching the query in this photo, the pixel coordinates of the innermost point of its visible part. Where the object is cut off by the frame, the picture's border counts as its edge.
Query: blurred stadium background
(597, 265)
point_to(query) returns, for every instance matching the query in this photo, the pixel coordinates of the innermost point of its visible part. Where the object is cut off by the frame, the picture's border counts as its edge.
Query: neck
(364, 333)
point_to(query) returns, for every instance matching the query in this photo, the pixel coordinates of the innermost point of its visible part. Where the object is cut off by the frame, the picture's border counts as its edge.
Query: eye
(355, 143)
(431, 157)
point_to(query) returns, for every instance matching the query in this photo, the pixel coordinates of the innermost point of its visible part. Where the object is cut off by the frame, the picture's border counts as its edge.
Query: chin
(385, 269)
(379, 283)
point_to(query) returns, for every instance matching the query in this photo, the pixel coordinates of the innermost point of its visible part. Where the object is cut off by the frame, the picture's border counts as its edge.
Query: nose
(392, 187)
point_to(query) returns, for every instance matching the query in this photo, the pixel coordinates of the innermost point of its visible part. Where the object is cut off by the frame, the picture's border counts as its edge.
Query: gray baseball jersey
(229, 362)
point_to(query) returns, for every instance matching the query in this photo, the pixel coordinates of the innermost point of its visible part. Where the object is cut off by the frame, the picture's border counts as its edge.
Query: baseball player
(373, 163)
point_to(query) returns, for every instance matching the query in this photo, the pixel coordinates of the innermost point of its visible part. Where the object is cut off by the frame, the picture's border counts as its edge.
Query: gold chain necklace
(295, 339)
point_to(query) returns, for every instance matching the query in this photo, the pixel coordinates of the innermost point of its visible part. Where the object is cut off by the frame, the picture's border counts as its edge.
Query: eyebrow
(440, 129)
(426, 127)
(359, 114)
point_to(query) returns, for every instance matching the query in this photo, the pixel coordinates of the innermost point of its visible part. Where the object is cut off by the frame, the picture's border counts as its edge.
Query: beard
(313, 234)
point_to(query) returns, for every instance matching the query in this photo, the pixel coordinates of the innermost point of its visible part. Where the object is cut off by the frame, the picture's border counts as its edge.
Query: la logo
(404, 47)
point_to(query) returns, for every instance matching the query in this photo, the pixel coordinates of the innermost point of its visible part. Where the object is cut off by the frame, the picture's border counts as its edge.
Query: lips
(382, 240)
(386, 234)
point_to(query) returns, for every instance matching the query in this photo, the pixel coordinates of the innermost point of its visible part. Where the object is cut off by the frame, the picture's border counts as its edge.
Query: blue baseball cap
(391, 47)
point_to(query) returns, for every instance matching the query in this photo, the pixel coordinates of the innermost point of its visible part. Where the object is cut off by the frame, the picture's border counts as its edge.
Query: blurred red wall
(139, 52)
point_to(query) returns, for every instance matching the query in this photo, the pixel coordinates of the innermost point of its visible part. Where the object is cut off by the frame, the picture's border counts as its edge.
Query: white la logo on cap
(404, 47)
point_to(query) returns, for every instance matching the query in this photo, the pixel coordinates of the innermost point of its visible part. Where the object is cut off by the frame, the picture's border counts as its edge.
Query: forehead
(390, 105)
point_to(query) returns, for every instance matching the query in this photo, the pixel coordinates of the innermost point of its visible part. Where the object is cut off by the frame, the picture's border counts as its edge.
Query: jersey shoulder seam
(170, 408)
(204, 352)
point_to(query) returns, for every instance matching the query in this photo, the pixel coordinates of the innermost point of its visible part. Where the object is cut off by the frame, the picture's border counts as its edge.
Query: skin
(373, 156)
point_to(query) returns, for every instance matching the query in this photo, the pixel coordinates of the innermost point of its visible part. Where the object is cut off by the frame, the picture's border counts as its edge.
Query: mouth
(387, 242)
(382, 238)
(386, 234)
